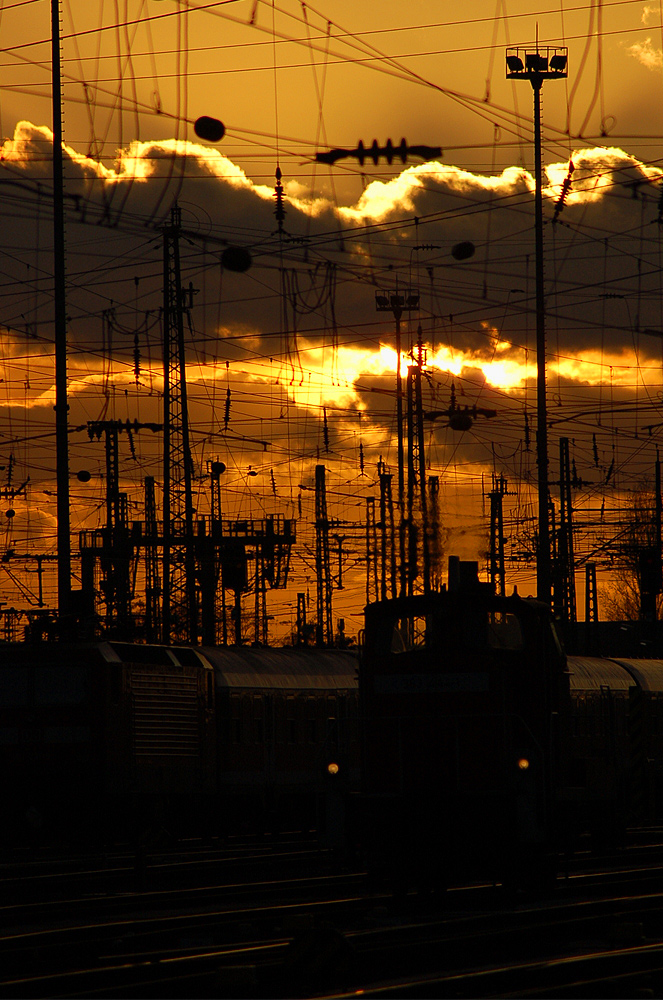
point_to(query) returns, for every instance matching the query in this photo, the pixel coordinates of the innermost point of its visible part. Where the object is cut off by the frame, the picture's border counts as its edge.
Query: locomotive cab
(459, 695)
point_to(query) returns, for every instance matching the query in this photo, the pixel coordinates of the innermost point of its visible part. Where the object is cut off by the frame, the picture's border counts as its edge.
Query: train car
(460, 693)
(612, 747)
(104, 740)
(287, 736)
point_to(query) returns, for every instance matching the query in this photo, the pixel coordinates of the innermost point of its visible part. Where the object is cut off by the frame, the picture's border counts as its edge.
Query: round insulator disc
(463, 251)
(209, 129)
(236, 259)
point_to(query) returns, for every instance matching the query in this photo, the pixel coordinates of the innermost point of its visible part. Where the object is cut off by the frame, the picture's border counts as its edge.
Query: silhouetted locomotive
(485, 751)
(113, 740)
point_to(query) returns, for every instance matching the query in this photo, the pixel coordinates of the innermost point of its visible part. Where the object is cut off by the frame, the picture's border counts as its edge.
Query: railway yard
(277, 917)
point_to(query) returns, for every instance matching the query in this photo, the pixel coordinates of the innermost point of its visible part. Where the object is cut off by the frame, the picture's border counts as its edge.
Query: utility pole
(301, 632)
(152, 580)
(397, 303)
(435, 546)
(536, 64)
(657, 504)
(324, 631)
(179, 614)
(566, 600)
(387, 535)
(115, 544)
(591, 608)
(372, 593)
(497, 573)
(416, 492)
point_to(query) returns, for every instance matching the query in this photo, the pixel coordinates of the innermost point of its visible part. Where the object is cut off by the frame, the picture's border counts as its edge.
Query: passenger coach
(287, 729)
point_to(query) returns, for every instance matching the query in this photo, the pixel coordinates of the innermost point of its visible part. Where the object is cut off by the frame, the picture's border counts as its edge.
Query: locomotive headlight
(523, 763)
(332, 768)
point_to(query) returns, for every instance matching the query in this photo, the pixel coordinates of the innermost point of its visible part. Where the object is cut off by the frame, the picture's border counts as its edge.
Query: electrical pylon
(179, 617)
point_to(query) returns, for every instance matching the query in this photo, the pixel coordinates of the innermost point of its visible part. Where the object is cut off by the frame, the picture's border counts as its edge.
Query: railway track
(320, 932)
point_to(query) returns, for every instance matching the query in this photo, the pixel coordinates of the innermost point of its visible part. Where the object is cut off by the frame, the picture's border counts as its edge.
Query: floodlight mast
(59, 298)
(538, 63)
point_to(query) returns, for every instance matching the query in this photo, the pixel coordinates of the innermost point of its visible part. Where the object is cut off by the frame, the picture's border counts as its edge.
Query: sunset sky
(297, 338)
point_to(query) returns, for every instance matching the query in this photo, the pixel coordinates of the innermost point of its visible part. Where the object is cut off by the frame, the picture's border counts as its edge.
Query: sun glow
(342, 376)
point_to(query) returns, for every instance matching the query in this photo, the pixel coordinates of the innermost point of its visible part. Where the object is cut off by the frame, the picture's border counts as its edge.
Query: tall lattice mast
(179, 617)
(565, 601)
(151, 549)
(388, 578)
(497, 573)
(324, 630)
(372, 592)
(416, 485)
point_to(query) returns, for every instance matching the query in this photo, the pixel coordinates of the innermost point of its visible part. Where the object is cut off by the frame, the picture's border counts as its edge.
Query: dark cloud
(297, 338)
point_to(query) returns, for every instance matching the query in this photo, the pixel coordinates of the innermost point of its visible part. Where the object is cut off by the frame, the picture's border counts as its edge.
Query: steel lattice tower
(387, 535)
(324, 631)
(497, 574)
(372, 593)
(152, 582)
(416, 483)
(179, 618)
(566, 602)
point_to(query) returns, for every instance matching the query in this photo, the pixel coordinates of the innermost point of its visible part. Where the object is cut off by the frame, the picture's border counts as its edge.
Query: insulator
(226, 416)
(136, 358)
(271, 475)
(566, 187)
(279, 211)
(361, 458)
(325, 428)
(595, 450)
(526, 432)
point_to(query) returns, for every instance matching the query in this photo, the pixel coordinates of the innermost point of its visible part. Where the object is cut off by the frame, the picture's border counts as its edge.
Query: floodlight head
(536, 63)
